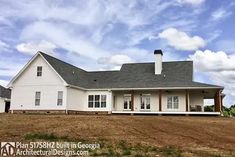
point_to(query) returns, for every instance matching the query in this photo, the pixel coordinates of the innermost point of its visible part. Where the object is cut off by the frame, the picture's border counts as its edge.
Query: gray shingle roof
(5, 93)
(133, 75)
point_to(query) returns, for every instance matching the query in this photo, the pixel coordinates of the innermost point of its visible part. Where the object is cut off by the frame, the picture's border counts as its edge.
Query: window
(90, 101)
(145, 101)
(103, 101)
(60, 98)
(127, 102)
(37, 98)
(173, 102)
(97, 101)
(39, 71)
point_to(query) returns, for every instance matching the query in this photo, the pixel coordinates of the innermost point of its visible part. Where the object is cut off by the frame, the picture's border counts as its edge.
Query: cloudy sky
(100, 35)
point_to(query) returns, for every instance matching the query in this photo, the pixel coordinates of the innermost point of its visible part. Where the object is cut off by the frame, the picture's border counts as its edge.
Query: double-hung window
(60, 98)
(103, 100)
(90, 101)
(97, 101)
(145, 102)
(37, 98)
(172, 102)
(39, 71)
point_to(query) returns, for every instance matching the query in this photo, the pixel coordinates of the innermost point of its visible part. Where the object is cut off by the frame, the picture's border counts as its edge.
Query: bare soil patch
(186, 135)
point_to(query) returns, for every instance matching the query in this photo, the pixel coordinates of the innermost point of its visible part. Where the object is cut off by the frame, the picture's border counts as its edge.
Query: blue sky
(101, 35)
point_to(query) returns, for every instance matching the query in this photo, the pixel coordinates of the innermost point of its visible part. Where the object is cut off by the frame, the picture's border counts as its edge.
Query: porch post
(160, 100)
(218, 102)
(186, 99)
(132, 101)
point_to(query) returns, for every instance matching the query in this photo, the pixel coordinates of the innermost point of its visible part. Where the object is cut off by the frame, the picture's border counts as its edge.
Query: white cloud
(119, 59)
(33, 47)
(220, 14)
(114, 61)
(4, 46)
(219, 68)
(181, 41)
(192, 2)
(213, 61)
(3, 83)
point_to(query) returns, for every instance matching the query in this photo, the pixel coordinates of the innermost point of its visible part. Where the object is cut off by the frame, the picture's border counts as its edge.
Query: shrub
(226, 113)
(232, 112)
(209, 108)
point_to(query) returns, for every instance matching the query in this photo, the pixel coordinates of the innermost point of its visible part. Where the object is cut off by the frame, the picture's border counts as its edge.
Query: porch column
(218, 102)
(160, 100)
(186, 99)
(132, 101)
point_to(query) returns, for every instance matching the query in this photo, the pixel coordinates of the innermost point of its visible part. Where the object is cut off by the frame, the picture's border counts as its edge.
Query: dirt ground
(211, 134)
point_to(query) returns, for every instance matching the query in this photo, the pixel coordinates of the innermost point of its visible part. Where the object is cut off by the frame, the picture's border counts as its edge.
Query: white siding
(2, 105)
(78, 100)
(108, 101)
(182, 101)
(196, 99)
(158, 64)
(25, 86)
(154, 100)
(75, 99)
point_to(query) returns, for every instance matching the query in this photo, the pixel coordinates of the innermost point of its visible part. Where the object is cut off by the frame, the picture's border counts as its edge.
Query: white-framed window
(37, 98)
(172, 102)
(91, 101)
(60, 98)
(103, 101)
(97, 101)
(127, 102)
(39, 71)
(145, 102)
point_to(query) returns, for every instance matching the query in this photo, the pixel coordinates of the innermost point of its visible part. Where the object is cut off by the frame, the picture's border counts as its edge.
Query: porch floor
(166, 113)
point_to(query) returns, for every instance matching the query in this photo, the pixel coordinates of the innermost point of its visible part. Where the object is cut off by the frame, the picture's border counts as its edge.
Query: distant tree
(232, 106)
(209, 108)
(225, 109)
(232, 111)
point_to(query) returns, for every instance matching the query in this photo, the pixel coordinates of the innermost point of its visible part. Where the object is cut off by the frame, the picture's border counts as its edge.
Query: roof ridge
(103, 71)
(154, 62)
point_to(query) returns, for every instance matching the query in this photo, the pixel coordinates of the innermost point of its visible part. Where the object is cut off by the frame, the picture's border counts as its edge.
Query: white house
(47, 84)
(5, 95)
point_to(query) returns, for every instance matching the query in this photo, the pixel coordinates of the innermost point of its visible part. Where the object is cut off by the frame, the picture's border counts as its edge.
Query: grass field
(128, 135)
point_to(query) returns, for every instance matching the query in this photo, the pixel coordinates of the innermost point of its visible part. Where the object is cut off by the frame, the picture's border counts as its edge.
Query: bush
(209, 108)
(226, 113)
(232, 112)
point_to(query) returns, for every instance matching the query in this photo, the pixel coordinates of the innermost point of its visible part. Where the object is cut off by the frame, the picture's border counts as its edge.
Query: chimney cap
(158, 52)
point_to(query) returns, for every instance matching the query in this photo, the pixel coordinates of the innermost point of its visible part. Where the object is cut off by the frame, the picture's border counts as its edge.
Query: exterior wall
(2, 105)
(196, 99)
(108, 101)
(25, 86)
(75, 99)
(154, 100)
(182, 101)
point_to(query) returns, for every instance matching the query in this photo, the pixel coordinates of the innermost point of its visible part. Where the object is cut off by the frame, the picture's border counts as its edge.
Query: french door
(127, 102)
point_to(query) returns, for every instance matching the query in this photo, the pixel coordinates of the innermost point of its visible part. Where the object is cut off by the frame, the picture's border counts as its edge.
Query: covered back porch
(165, 101)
